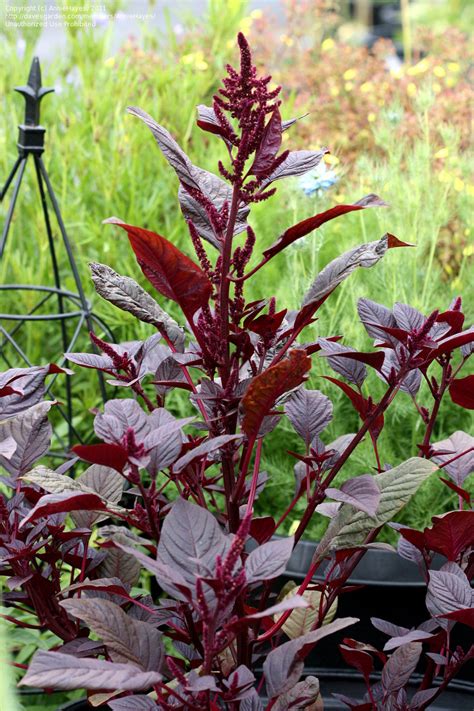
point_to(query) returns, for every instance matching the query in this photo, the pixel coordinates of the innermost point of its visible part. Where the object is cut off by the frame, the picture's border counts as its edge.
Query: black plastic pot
(81, 705)
(459, 697)
(393, 589)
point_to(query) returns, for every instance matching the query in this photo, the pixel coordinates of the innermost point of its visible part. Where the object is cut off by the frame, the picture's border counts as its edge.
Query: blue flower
(318, 180)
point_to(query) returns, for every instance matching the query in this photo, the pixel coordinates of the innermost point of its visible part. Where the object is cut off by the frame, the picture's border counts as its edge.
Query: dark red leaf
(361, 405)
(109, 455)
(451, 534)
(465, 616)
(265, 324)
(311, 223)
(262, 528)
(63, 503)
(446, 345)
(214, 128)
(393, 242)
(269, 146)
(267, 387)
(360, 660)
(459, 491)
(462, 392)
(455, 319)
(170, 271)
(416, 538)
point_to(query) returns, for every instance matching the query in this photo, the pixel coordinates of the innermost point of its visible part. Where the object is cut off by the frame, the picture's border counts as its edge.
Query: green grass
(104, 162)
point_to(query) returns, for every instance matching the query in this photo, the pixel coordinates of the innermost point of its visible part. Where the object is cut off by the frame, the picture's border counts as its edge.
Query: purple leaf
(175, 155)
(218, 193)
(7, 447)
(126, 294)
(371, 313)
(353, 370)
(455, 444)
(31, 432)
(190, 540)
(297, 163)
(91, 360)
(168, 577)
(366, 255)
(412, 636)
(309, 411)
(63, 671)
(290, 603)
(133, 703)
(448, 590)
(120, 564)
(422, 698)
(282, 667)
(118, 417)
(305, 694)
(21, 388)
(127, 640)
(210, 445)
(400, 666)
(408, 318)
(105, 482)
(388, 628)
(269, 560)
(361, 492)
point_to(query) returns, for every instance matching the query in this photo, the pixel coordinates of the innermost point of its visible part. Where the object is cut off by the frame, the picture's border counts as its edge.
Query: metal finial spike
(34, 77)
(33, 93)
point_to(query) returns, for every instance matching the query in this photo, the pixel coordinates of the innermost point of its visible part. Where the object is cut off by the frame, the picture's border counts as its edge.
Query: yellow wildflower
(439, 72)
(327, 44)
(444, 176)
(371, 117)
(411, 89)
(334, 91)
(349, 85)
(288, 41)
(331, 159)
(458, 185)
(419, 68)
(453, 67)
(349, 74)
(468, 251)
(442, 153)
(366, 87)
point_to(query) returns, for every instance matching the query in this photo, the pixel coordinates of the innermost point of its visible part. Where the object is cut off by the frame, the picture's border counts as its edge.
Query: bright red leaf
(462, 392)
(170, 271)
(109, 455)
(267, 387)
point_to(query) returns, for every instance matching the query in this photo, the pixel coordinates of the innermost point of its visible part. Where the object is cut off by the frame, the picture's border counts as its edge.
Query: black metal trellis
(70, 306)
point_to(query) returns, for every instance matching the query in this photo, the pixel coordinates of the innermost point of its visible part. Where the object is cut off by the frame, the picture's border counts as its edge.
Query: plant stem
(438, 396)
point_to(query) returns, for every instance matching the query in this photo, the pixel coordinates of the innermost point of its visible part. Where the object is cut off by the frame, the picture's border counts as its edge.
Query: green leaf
(350, 527)
(303, 619)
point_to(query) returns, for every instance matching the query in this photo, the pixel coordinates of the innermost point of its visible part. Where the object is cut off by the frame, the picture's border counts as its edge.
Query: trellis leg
(21, 163)
(67, 244)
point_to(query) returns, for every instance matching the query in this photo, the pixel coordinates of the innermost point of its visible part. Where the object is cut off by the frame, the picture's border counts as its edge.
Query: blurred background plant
(401, 129)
